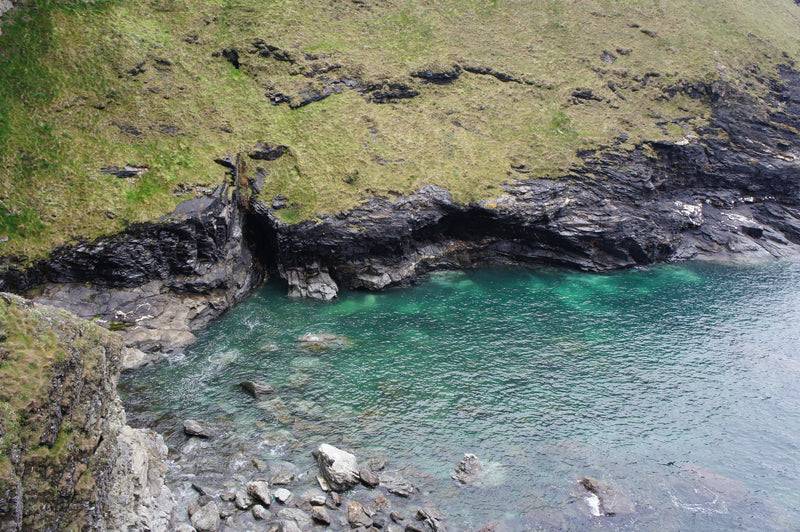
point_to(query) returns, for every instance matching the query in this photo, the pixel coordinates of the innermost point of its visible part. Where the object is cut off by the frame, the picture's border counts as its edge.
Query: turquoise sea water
(679, 386)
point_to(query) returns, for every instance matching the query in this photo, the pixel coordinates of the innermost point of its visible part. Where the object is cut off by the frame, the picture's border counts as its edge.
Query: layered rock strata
(156, 283)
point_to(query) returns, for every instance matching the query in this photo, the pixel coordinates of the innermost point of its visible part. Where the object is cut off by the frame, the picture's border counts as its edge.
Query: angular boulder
(257, 389)
(338, 467)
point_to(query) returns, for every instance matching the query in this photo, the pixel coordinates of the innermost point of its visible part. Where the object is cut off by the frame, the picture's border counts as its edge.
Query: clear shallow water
(678, 385)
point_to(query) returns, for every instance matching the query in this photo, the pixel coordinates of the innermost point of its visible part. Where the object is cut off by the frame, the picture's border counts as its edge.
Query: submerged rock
(603, 500)
(338, 467)
(320, 341)
(200, 429)
(257, 389)
(368, 478)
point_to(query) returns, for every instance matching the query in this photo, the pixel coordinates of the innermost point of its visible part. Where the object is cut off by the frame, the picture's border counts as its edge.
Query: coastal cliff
(730, 193)
(67, 459)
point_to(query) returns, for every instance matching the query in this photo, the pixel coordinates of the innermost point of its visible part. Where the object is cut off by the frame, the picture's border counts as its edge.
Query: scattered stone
(376, 464)
(288, 526)
(396, 517)
(320, 515)
(282, 478)
(125, 172)
(381, 504)
(323, 483)
(193, 427)
(315, 497)
(225, 513)
(261, 513)
(357, 515)
(260, 465)
(267, 152)
(228, 496)
(380, 521)
(368, 478)
(185, 528)
(391, 527)
(416, 527)
(607, 57)
(282, 495)
(603, 500)
(257, 389)
(396, 484)
(468, 470)
(242, 500)
(206, 518)
(338, 467)
(298, 516)
(202, 490)
(259, 490)
(334, 500)
(192, 508)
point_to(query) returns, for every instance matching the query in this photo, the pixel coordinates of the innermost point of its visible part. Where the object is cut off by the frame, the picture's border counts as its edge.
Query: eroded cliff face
(67, 458)
(156, 283)
(732, 193)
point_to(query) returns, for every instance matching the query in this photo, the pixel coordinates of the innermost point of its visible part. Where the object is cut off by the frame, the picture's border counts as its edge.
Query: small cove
(677, 385)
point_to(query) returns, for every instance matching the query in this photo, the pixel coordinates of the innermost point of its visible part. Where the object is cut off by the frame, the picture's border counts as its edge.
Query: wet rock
(259, 490)
(296, 515)
(243, 501)
(338, 467)
(200, 429)
(228, 496)
(368, 478)
(380, 521)
(260, 465)
(334, 500)
(391, 527)
(185, 528)
(206, 518)
(320, 341)
(396, 484)
(282, 495)
(260, 513)
(396, 517)
(357, 515)
(376, 464)
(288, 526)
(320, 515)
(309, 281)
(199, 488)
(431, 518)
(257, 389)
(468, 470)
(282, 478)
(603, 500)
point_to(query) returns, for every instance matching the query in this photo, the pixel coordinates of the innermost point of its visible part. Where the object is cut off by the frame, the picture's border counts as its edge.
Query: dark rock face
(156, 282)
(734, 192)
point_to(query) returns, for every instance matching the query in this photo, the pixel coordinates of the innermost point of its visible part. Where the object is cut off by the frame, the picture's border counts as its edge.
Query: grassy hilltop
(503, 90)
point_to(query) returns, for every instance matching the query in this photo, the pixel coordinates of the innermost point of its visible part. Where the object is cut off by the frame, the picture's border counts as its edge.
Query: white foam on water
(594, 504)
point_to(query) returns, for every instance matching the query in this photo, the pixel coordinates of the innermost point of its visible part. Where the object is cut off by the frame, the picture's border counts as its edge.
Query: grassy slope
(69, 103)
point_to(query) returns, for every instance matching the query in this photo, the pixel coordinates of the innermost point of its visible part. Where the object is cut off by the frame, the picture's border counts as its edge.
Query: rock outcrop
(67, 458)
(732, 192)
(156, 283)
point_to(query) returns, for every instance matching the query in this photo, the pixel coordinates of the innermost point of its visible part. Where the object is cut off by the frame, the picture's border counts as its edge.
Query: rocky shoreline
(732, 194)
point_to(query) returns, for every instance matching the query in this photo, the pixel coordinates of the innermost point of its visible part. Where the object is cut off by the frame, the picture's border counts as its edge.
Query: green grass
(69, 104)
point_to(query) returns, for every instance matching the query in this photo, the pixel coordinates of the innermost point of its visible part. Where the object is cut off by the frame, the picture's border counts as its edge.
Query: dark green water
(678, 385)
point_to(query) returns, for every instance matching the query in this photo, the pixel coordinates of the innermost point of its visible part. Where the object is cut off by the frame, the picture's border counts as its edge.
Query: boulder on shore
(338, 467)
(206, 519)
